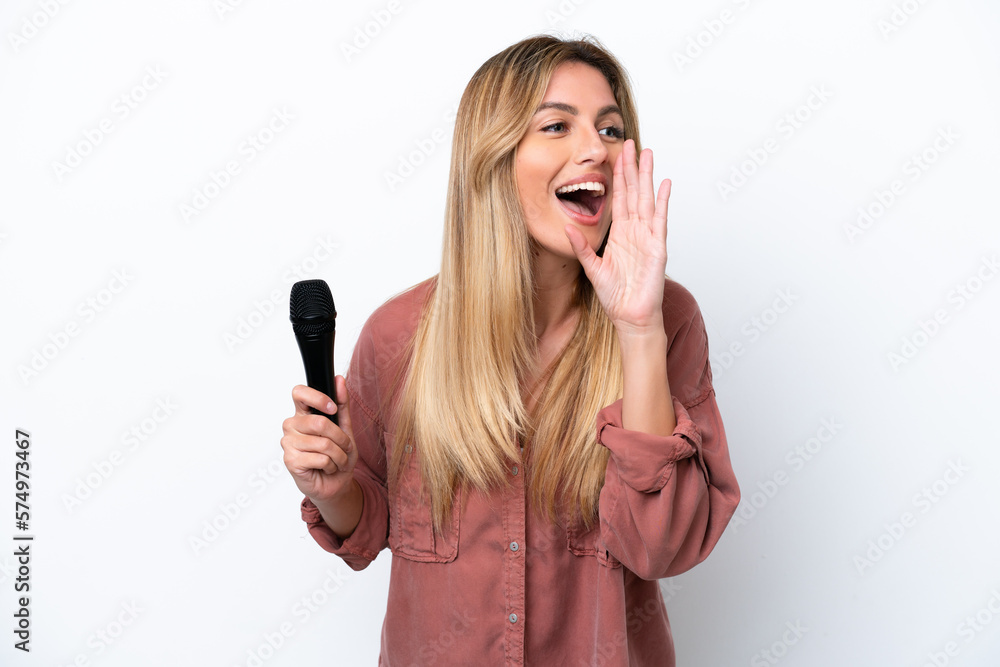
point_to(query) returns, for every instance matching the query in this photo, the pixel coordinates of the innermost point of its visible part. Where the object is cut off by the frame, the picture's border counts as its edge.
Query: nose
(591, 147)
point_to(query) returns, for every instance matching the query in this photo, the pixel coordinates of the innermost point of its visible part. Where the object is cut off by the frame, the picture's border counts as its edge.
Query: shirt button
(514, 470)
(513, 546)
(513, 618)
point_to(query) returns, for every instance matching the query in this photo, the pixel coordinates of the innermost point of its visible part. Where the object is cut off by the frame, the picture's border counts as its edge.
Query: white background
(820, 545)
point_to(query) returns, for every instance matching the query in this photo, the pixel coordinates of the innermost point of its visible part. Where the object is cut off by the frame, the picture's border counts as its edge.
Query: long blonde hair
(474, 347)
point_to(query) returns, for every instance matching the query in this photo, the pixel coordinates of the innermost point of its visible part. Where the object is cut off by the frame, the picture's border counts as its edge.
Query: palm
(628, 278)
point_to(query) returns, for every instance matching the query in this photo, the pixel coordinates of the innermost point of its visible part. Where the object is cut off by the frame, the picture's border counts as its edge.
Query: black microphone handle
(318, 349)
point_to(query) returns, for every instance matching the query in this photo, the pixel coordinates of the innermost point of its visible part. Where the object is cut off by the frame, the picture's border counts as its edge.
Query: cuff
(351, 549)
(645, 461)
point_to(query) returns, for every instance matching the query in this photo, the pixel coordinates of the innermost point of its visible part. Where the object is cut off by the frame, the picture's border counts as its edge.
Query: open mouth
(585, 200)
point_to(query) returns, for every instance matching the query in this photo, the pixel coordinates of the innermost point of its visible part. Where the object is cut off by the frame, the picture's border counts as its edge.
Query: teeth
(597, 189)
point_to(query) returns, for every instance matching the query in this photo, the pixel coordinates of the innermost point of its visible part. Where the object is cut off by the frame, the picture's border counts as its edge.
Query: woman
(533, 432)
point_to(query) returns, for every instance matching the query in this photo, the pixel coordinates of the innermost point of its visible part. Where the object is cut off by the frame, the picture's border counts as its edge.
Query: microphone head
(311, 308)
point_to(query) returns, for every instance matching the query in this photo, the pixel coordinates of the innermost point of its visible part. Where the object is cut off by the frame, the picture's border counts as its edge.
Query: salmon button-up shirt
(502, 585)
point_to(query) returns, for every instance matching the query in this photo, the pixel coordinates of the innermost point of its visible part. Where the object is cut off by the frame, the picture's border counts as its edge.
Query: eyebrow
(570, 109)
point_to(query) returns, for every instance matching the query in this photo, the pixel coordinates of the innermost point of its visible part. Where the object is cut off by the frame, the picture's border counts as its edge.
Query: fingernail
(330, 407)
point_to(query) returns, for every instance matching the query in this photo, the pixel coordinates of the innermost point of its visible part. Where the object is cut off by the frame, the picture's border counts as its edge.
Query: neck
(555, 282)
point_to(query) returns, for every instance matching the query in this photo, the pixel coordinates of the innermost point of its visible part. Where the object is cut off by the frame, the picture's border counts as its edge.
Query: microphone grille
(311, 307)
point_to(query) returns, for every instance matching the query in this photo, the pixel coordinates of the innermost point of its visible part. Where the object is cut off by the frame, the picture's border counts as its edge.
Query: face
(575, 137)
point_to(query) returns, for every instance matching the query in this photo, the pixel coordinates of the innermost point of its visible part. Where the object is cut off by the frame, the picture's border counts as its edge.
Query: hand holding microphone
(319, 453)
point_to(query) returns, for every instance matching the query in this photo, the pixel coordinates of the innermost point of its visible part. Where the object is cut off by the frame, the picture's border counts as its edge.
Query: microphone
(314, 323)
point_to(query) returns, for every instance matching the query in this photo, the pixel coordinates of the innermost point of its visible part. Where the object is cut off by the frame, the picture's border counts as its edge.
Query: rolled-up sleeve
(372, 532)
(667, 500)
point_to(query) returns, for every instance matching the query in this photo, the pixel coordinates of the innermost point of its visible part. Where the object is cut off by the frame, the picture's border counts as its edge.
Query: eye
(613, 131)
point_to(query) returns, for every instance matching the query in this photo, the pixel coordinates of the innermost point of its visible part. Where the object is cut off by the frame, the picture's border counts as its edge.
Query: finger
(631, 179)
(302, 442)
(588, 258)
(295, 445)
(660, 217)
(619, 207)
(306, 397)
(343, 406)
(303, 462)
(646, 204)
(317, 425)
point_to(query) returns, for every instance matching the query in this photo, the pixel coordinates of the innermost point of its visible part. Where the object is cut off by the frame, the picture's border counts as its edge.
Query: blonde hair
(475, 345)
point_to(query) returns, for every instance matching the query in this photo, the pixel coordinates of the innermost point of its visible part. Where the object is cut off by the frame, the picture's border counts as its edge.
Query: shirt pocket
(583, 542)
(411, 532)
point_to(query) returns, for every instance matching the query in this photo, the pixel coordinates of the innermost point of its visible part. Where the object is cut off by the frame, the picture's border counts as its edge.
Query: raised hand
(628, 278)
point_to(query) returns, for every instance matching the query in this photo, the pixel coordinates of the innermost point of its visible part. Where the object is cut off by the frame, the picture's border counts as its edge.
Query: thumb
(588, 258)
(343, 407)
